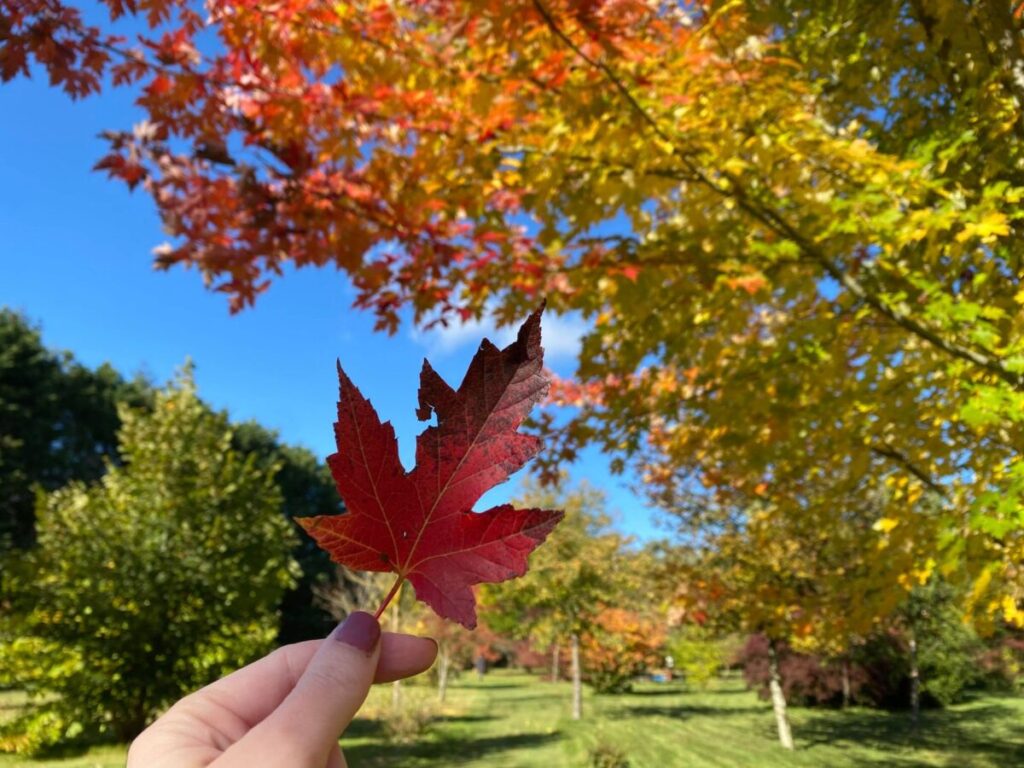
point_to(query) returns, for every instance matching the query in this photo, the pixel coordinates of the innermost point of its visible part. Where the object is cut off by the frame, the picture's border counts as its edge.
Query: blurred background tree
(583, 570)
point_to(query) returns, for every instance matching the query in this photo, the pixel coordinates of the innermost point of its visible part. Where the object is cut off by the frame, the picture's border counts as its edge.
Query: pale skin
(287, 709)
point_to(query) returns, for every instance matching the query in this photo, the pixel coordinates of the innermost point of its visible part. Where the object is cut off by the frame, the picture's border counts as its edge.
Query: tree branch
(775, 221)
(888, 452)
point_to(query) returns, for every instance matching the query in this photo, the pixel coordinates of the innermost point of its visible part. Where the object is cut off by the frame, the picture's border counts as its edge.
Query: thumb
(305, 727)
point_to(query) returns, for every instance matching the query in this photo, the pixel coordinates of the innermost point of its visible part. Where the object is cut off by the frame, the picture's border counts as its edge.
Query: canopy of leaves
(795, 227)
(59, 422)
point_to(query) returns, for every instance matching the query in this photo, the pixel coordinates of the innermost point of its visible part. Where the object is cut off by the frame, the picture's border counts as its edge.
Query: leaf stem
(390, 596)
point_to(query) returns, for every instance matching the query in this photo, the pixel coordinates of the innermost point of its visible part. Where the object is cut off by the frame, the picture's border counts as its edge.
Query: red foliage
(525, 656)
(265, 145)
(805, 679)
(420, 524)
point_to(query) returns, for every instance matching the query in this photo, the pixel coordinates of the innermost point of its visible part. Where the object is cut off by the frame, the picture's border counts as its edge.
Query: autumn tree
(817, 584)
(151, 582)
(457, 647)
(571, 579)
(794, 228)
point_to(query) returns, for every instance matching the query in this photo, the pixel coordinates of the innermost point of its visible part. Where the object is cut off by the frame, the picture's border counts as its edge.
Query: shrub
(620, 645)
(606, 755)
(952, 661)
(406, 723)
(408, 713)
(696, 654)
(145, 585)
(806, 679)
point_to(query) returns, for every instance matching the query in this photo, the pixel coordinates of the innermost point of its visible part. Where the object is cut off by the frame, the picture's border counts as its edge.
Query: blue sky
(76, 258)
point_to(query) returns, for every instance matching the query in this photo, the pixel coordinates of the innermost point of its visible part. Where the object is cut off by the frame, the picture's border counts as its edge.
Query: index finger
(253, 692)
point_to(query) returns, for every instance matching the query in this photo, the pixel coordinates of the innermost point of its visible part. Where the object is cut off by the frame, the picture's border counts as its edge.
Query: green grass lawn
(516, 721)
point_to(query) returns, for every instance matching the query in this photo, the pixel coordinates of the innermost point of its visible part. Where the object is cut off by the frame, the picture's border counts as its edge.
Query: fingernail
(360, 630)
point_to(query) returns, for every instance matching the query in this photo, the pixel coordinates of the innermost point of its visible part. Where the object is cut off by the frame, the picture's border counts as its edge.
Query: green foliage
(146, 584)
(948, 650)
(307, 489)
(576, 572)
(59, 421)
(697, 654)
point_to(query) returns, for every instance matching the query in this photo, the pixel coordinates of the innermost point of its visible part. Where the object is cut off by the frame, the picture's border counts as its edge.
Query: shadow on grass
(688, 710)
(974, 732)
(72, 748)
(491, 686)
(453, 750)
(547, 696)
(467, 718)
(673, 691)
(362, 728)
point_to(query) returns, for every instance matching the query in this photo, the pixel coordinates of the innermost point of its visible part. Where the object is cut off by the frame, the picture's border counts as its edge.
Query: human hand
(286, 710)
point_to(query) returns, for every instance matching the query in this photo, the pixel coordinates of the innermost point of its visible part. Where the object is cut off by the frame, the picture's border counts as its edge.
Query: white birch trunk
(778, 698)
(443, 662)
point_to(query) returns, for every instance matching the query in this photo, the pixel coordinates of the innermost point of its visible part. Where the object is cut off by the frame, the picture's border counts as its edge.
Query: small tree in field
(145, 585)
(569, 582)
(620, 645)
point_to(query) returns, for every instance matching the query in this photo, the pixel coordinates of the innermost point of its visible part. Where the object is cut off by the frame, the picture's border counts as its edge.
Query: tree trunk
(577, 681)
(778, 698)
(442, 672)
(556, 671)
(846, 682)
(915, 682)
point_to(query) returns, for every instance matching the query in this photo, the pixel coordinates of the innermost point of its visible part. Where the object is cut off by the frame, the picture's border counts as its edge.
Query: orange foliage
(621, 645)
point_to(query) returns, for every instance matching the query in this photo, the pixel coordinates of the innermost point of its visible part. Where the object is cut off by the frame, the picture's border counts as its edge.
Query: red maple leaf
(421, 524)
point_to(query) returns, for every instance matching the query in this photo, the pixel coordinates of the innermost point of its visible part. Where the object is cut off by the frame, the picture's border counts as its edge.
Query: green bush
(948, 659)
(948, 649)
(698, 655)
(147, 584)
